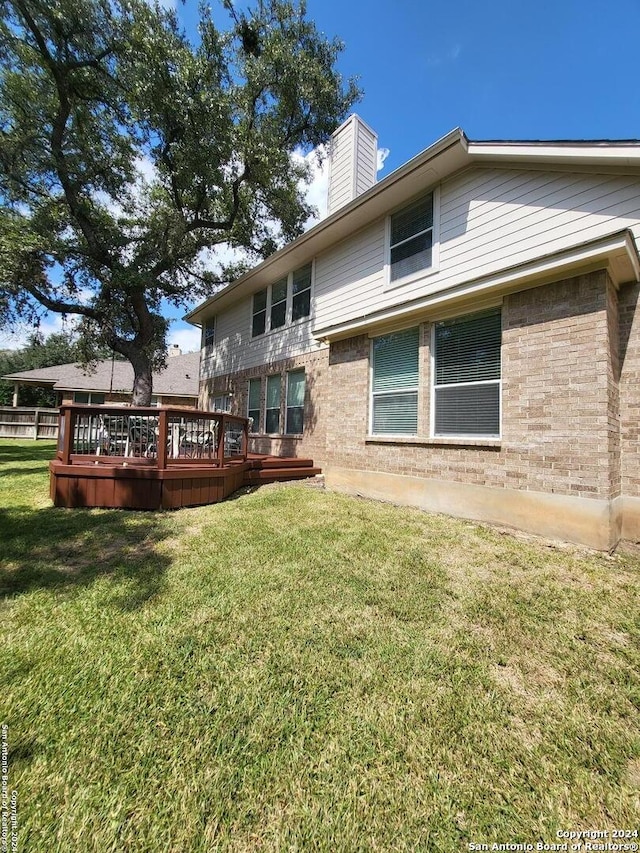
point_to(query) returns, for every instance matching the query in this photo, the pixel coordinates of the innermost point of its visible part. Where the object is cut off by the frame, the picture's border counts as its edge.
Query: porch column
(16, 391)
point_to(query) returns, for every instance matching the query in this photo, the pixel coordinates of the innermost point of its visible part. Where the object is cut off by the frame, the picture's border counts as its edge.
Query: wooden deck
(158, 459)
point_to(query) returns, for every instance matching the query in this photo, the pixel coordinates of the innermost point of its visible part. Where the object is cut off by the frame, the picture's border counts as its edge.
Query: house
(462, 336)
(111, 381)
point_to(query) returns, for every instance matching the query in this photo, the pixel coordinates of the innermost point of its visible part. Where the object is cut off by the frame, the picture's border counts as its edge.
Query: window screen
(295, 402)
(272, 412)
(412, 238)
(395, 383)
(253, 411)
(467, 375)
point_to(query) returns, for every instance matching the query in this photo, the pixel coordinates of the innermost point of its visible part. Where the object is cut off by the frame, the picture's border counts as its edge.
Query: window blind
(395, 383)
(467, 375)
(253, 407)
(273, 404)
(412, 238)
(468, 350)
(295, 401)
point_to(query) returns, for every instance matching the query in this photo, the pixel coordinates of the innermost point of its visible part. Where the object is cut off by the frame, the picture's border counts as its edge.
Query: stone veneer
(568, 461)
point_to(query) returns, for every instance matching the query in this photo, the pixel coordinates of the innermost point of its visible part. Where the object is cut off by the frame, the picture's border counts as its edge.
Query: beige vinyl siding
(490, 219)
(366, 153)
(236, 350)
(341, 184)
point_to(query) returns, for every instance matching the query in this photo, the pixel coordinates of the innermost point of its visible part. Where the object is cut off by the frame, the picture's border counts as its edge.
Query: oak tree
(129, 151)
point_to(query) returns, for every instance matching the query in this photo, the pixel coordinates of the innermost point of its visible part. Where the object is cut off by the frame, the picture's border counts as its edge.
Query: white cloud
(450, 55)
(186, 337)
(383, 153)
(317, 189)
(17, 338)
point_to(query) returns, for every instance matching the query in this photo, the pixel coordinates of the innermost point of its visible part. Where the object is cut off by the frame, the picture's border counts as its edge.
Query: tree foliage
(127, 152)
(58, 348)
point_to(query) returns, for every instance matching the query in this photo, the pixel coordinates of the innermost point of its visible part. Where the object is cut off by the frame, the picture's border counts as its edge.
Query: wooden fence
(28, 422)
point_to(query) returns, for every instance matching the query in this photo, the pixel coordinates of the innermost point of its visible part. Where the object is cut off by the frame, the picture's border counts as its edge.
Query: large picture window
(395, 383)
(295, 402)
(411, 240)
(467, 376)
(272, 411)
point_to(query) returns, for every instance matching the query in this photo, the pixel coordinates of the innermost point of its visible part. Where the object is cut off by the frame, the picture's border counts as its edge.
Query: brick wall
(630, 389)
(570, 400)
(560, 400)
(312, 443)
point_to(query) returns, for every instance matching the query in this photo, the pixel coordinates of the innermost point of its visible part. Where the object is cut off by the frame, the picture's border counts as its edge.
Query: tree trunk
(142, 380)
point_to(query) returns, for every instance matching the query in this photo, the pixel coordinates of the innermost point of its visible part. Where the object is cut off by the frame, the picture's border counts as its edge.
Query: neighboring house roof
(178, 379)
(452, 153)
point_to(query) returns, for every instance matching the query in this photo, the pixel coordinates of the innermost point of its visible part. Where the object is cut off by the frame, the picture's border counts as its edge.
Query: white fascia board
(420, 173)
(588, 154)
(617, 253)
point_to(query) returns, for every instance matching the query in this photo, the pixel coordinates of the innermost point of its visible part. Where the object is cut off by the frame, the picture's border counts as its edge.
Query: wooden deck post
(245, 440)
(163, 436)
(67, 424)
(220, 444)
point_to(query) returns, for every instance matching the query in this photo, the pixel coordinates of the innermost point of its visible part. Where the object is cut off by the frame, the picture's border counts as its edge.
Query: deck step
(273, 474)
(271, 462)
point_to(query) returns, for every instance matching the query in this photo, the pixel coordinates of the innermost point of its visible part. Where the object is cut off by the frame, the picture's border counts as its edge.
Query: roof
(446, 156)
(178, 379)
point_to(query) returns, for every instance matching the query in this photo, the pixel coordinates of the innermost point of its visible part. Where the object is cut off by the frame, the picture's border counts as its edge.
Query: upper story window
(301, 293)
(412, 241)
(209, 332)
(259, 321)
(466, 376)
(279, 304)
(285, 301)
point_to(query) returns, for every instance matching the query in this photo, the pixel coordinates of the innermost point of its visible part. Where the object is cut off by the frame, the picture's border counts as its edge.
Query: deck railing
(159, 437)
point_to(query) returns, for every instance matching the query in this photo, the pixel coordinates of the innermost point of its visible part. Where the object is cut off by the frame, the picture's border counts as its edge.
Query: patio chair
(195, 444)
(142, 438)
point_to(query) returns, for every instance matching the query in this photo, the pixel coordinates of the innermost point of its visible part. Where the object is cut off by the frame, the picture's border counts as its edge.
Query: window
(411, 239)
(278, 304)
(286, 301)
(301, 288)
(91, 398)
(259, 322)
(272, 412)
(466, 398)
(222, 403)
(295, 402)
(253, 407)
(209, 332)
(395, 383)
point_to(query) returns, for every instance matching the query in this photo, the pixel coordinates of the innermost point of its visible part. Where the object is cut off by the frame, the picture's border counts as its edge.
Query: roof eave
(409, 179)
(616, 252)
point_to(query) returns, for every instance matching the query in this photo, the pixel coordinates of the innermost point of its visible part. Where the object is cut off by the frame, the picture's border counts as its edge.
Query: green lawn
(295, 670)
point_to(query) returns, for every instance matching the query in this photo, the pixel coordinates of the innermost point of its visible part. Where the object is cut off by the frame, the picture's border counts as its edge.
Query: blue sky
(499, 69)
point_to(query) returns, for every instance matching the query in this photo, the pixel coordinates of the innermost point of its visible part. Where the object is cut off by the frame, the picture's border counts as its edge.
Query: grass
(305, 671)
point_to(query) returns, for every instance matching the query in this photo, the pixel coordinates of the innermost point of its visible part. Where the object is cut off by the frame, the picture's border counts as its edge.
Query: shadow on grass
(66, 549)
(24, 451)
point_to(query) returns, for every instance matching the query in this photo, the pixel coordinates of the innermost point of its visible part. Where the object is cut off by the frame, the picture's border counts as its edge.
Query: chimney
(353, 156)
(174, 350)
